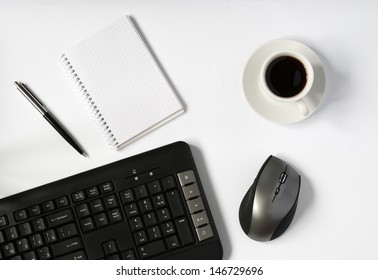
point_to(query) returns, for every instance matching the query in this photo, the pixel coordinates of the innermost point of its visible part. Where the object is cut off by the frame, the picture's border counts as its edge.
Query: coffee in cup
(287, 76)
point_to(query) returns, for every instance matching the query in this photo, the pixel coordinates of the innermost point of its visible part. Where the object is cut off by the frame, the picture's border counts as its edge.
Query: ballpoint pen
(24, 89)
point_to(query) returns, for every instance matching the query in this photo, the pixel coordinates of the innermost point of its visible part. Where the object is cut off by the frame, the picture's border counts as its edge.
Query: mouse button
(292, 183)
(275, 165)
(264, 221)
(281, 204)
(272, 173)
(286, 221)
(289, 191)
(267, 187)
(269, 176)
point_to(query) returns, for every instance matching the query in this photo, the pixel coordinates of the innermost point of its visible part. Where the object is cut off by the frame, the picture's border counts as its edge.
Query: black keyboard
(149, 206)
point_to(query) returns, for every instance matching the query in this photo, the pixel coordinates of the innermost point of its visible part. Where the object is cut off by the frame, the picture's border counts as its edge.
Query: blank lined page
(124, 84)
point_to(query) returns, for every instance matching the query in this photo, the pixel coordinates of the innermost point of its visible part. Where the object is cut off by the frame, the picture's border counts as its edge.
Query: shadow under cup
(286, 76)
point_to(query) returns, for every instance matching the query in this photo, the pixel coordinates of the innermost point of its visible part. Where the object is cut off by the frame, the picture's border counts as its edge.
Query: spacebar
(151, 249)
(79, 255)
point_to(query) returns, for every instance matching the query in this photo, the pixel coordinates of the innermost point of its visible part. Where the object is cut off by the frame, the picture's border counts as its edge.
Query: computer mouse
(269, 205)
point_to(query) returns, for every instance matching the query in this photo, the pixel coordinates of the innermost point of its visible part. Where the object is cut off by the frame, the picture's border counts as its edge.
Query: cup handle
(303, 107)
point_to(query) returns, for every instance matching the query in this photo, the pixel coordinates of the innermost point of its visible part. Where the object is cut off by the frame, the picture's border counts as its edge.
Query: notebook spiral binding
(112, 141)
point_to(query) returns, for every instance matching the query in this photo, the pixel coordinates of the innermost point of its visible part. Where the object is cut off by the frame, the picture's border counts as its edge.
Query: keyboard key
(200, 219)
(115, 216)
(167, 228)
(2, 238)
(113, 257)
(66, 246)
(34, 211)
(39, 225)
(109, 247)
(20, 215)
(36, 241)
(168, 183)
(62, 202)
(154, 187)
(186, 178)
(135, 224)
(127, 196)
(159, 201)
(195, 205)
(67, 231)
(92, 192)
(154, 233)
(145, 205)
(163, 215)
(140, 192)
(22, 245)
(151, 249)
(101, 220)
(149, 219)
(11, 233)
(79, 255)
(96, 206)
(128, 255)
(131, 210)
(3, 221)
(50, 236)
(204, 233)
(59, 218)
(184, 231)
(175, 203)
(24, 229)
(82, 210)
(191, 191)
(172, 242)
(87, 224)
(44, 253)
(78, 196)
(48, 206)
(140, 237)
(9, 250)
(30, 256)
(110, 202)
(106, 187)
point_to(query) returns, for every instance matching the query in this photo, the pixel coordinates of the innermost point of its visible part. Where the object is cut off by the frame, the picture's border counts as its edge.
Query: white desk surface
(203, 47)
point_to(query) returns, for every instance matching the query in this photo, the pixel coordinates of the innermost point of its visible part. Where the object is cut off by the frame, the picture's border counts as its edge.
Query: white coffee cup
(287, 76)
(272, 106)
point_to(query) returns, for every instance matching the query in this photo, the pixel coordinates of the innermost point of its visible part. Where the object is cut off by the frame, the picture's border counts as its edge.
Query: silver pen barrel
(29, 95)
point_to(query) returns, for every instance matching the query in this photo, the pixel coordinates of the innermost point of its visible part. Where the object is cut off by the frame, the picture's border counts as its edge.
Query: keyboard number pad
(154, 211)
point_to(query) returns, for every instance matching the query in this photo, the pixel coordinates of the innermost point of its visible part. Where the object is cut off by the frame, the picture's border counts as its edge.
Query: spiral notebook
(121, 82)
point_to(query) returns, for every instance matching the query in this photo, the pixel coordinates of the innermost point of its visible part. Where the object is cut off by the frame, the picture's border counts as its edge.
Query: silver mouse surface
(269, 205)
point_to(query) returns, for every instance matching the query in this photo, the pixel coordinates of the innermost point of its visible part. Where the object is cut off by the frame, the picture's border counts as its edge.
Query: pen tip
(84, 155)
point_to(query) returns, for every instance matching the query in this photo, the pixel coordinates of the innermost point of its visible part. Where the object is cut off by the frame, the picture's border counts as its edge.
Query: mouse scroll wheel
(282, 178)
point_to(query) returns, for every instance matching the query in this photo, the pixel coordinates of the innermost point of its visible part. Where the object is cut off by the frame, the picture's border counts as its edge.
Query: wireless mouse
(269, 205)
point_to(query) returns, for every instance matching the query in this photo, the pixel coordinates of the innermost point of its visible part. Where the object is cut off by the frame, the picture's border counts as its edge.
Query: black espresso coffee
(286, 76)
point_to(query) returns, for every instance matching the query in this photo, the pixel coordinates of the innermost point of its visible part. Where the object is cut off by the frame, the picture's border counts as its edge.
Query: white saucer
(269, 108)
